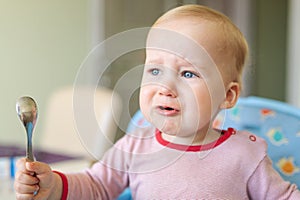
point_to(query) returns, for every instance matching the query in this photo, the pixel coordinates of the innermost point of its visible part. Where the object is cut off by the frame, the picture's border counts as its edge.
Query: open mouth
(167, 110)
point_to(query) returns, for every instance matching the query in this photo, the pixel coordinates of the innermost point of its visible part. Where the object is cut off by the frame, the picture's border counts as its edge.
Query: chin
(172, 129)
(167, 128)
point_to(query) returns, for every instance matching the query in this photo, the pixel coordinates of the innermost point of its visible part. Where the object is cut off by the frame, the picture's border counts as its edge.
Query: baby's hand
(36, 179)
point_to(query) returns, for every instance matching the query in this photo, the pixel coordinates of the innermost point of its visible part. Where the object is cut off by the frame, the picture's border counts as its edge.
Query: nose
(168, 90)
(168, 83)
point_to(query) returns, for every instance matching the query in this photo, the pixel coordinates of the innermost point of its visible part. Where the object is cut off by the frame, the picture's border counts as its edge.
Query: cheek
(201, 102)
(146, 95)
(146, 92)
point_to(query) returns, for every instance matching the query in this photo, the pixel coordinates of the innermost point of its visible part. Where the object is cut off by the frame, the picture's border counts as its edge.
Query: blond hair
(234, 41)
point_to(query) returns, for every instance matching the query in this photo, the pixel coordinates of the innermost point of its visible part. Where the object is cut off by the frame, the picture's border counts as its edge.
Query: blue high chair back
(277, 122)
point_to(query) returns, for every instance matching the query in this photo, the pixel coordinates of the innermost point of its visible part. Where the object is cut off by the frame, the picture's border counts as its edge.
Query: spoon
(27, 112)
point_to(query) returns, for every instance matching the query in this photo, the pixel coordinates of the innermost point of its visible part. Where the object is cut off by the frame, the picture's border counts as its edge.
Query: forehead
(162, 56)
(167, 42)
(207, 34)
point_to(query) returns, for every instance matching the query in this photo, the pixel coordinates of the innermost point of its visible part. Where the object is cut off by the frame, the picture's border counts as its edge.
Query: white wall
(293, 57)
(42, 44)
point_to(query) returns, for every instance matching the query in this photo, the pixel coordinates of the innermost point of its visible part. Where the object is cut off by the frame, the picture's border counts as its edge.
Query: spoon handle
(29, 130)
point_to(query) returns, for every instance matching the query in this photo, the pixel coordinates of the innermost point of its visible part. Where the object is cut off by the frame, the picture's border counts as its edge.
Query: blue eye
(188, 74)
(155, 72)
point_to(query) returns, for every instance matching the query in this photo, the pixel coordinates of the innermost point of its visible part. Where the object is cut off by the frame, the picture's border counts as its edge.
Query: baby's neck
(197, 139)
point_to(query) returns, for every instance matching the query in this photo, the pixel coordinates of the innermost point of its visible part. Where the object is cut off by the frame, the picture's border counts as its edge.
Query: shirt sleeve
(266, 183)
(98, 182)
(106, 179)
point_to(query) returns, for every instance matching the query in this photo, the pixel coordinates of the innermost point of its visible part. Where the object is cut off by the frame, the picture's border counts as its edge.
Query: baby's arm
(36, 177)
(97, 182)
(266, 183)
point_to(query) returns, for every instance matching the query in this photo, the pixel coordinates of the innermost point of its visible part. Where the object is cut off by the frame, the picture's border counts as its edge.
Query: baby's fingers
(25, 185)
(26, 178)
(26, 189)
(26, 197)
(21, 164)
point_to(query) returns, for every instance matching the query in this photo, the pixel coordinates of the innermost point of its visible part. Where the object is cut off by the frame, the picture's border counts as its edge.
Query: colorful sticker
(276, 137)
(287, 166)
(267, 112)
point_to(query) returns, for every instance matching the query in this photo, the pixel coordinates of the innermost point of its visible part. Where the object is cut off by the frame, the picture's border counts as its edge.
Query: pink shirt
(234, 167)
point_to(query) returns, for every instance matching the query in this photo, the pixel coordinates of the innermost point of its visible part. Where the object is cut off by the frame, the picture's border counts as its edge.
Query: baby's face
(182, 87)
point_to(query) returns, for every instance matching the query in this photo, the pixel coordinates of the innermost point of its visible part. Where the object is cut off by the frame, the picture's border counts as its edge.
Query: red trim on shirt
(225, 135)
(65, 188)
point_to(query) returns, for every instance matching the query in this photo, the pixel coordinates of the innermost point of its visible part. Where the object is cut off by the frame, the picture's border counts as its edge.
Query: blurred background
(43, 43)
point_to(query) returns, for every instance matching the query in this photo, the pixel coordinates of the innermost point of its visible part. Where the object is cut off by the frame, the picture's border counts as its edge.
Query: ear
(232, 95)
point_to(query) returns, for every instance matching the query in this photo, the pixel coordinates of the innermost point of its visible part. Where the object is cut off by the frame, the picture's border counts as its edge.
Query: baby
(193, 67)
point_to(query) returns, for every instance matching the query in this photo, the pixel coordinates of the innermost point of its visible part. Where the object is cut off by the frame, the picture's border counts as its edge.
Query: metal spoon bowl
(27, 112)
